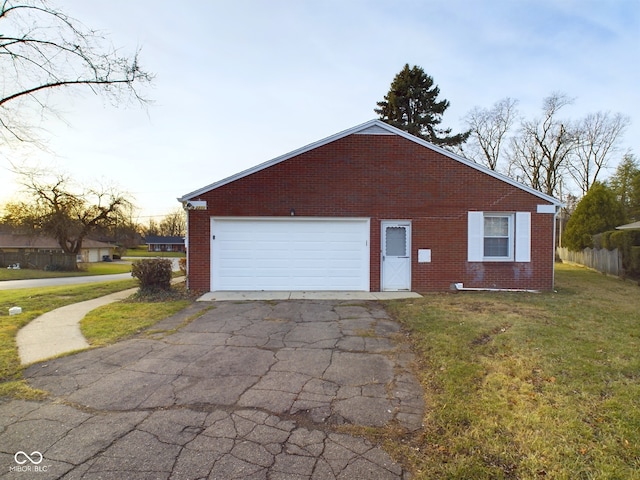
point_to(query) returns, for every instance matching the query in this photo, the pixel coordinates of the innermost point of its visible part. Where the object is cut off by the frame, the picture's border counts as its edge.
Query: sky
(240, 82)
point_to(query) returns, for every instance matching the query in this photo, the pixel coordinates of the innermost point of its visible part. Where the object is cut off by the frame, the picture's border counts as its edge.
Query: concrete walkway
(58, 331)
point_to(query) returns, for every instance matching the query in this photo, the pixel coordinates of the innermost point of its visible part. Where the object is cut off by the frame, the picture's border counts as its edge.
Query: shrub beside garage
(152, 274)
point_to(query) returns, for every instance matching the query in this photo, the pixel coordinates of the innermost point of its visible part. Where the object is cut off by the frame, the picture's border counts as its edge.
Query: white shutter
(523, 236)
(475, 237)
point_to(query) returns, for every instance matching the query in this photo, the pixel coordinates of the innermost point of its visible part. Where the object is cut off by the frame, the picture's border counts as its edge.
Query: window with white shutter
(499, 237)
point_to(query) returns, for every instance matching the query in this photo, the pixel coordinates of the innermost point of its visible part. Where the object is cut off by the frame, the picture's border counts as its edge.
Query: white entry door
(396, 255)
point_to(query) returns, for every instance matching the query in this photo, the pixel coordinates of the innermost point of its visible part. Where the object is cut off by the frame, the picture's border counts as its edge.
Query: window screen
(396, 241)
(496, 236)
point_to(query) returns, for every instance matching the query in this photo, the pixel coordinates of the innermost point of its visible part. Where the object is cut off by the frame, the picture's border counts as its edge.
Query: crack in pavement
(246, 390)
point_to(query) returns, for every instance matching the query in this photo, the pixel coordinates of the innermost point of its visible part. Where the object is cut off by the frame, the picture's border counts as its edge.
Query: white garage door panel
(290, 254)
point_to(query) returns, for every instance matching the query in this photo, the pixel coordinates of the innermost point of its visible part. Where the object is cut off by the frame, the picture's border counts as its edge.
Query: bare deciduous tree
(43, 50)
(488, 129)
(546, 152)
(541, 152)
(174, 224)
(67, 214)
(597, 137)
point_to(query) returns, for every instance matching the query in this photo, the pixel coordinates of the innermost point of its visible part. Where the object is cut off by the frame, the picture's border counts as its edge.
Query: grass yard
(101, 326)
(35, 302)
(518, 386)
(98, 268)
(110, 323)
(527, 386)
(141, 251)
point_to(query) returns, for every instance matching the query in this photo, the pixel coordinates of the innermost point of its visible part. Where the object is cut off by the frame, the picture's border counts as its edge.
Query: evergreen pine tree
(412, 105)
(625, 184)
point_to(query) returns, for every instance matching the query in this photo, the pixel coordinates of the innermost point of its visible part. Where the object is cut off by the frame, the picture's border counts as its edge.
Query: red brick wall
(386, 177)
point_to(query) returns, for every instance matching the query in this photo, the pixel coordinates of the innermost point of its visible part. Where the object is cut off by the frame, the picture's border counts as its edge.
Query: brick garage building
(371, 208)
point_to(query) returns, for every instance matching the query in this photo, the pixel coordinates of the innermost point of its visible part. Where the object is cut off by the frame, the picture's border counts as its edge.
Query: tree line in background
(55, 206)
(558, 156)
(549, 153)
(43, 50)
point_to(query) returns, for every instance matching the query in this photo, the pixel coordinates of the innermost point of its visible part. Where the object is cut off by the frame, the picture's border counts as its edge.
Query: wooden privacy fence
(39, 260)
(600, 259)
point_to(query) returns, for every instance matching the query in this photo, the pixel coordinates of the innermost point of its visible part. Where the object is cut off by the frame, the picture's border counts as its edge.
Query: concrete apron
(264, 295)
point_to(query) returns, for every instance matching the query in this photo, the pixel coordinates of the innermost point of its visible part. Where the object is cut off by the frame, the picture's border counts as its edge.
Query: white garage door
(289, 254)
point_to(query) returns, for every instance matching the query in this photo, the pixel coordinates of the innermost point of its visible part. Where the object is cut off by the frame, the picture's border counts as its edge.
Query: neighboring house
(370, 208)
(164, 244)
(91, 251)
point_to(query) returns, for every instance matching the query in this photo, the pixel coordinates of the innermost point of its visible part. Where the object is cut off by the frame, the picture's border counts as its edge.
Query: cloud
(241, 82)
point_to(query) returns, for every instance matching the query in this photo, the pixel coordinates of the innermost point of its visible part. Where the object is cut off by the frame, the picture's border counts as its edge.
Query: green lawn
(102, 326)
(108, 324)
(517, 386)
(527, 386)
(141, 251)
(98, 268)
(35, 302)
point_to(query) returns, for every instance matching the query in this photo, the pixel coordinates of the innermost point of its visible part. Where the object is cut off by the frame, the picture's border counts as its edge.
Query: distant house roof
(629, 226)
(160, 240)
(8, 240)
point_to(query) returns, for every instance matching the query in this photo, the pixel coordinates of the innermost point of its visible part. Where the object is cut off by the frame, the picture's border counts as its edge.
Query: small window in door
(396, 241)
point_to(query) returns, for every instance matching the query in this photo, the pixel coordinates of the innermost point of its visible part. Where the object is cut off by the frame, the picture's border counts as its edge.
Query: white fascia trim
(471, 164)
(371, 123)
(281, 158)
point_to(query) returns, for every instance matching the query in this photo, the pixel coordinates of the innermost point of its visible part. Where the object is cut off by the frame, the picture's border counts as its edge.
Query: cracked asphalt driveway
(254, 390)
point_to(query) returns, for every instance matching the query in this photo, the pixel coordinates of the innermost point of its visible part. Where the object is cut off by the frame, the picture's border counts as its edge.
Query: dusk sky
(241, 82)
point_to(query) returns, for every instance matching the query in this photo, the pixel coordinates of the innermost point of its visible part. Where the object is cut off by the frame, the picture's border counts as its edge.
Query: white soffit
(374, 130)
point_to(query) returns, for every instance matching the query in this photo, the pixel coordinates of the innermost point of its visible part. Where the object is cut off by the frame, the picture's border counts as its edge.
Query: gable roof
(372, 127)
(165, 240)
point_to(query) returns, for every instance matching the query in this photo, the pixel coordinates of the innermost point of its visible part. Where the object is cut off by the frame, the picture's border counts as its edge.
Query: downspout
(459, 287)
(186, 241)
(186, 246)
(553, 265)
(189, 205)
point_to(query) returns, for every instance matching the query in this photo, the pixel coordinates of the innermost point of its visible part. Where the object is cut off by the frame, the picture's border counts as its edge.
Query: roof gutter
(459, 287)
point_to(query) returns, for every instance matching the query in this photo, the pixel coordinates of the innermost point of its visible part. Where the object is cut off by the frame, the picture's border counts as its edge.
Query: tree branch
(43, 49)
